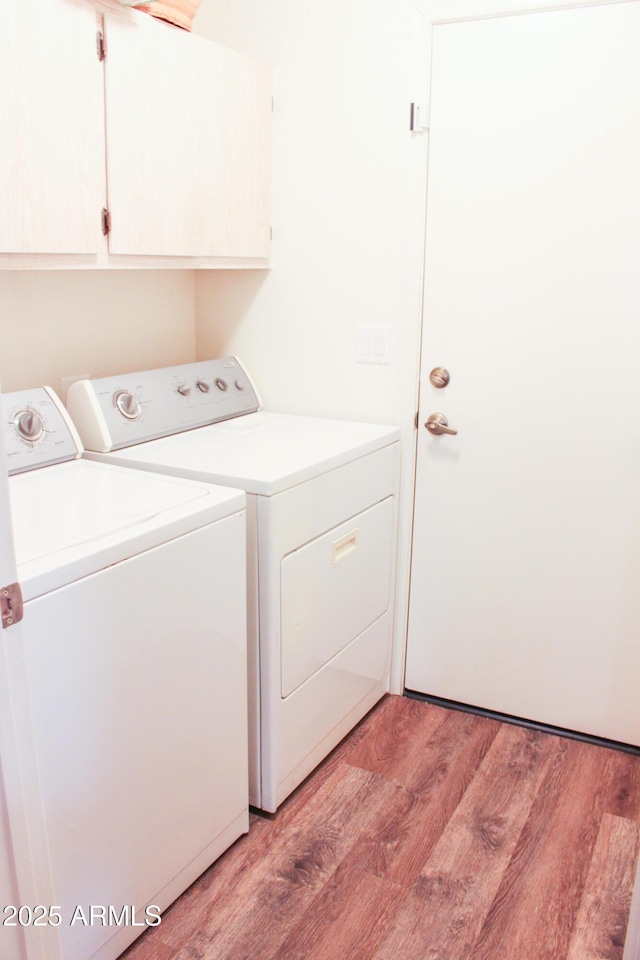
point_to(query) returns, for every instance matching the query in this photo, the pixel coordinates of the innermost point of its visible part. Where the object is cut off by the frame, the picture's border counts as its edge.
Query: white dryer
(129, 679)
(321, 523)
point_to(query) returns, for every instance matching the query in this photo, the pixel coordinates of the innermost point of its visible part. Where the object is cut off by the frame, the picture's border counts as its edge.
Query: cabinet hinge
(101, 44)
(106, 222)
(11, 605)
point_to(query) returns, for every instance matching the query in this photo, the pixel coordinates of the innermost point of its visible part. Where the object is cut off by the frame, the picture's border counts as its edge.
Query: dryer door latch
(11, 605)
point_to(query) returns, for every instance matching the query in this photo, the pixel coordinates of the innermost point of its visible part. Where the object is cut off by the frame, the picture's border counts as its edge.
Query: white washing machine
(129, 679)
(321, 522)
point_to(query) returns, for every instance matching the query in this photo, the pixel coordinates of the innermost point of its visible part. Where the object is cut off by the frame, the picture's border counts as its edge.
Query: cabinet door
(188, 144)
(52, 118)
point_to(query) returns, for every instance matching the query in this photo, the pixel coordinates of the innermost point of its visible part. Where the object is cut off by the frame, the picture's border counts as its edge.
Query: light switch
(373, 344)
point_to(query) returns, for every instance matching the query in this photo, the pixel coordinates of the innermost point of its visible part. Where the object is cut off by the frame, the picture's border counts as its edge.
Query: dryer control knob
(183, 389)
(29, 426)
(128, 405)
(221, 384)
(203, 386)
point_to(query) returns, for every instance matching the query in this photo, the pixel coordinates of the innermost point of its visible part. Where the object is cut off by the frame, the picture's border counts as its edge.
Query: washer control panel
(116, 412)
(37, 431)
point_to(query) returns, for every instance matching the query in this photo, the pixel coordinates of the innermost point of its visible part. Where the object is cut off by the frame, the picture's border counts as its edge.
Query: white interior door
(525, 595)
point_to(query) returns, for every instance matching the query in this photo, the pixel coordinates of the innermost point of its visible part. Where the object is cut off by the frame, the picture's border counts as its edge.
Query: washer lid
(262, 453)
(75, 518)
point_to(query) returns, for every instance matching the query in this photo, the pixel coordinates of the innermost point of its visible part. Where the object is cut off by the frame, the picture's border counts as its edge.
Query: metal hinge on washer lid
(11, 605)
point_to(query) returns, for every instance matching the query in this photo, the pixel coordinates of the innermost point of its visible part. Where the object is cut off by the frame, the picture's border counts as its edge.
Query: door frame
(433, 13)
(457, 11)
(17, 821)
(451, 11)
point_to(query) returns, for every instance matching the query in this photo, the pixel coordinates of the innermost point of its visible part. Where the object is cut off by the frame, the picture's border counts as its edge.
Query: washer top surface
(75, 518)
(261, 453)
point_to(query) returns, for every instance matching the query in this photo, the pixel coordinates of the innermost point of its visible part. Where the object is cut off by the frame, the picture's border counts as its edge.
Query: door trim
(437, 12)
(452, 11)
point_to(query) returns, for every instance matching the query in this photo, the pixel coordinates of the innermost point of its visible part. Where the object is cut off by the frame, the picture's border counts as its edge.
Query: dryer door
(332, 589)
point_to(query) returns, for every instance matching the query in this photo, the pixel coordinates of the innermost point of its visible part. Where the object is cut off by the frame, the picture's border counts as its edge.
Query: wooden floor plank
(349, 918)
(401, 840)
(396, 738)
(625, 787)
(541, 890)
(601, 924)
(149, 947)
(444, 914)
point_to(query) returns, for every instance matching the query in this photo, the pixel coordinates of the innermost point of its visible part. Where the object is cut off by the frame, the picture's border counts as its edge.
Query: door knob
(439, 377)
(437, 423)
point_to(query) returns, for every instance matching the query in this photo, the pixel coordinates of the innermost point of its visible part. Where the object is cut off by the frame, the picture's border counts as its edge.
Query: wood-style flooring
(428, 834)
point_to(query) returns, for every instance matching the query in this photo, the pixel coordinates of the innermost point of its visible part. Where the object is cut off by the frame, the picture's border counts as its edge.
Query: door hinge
(106, 221)
(101, 44)
(419, 118)
(11, 605)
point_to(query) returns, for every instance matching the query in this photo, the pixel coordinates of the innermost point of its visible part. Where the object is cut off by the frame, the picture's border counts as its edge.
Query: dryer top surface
(261, 453)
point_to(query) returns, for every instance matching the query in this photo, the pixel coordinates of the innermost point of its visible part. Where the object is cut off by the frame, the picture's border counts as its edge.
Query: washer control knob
(183, 389)
(128, 405)
(203, 386)
(29, 426)
(222, 384)
(240, 385)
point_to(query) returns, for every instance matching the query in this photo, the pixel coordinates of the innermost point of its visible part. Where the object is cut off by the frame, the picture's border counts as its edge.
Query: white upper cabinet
(184, 125)
(188, 142)
(52, 141)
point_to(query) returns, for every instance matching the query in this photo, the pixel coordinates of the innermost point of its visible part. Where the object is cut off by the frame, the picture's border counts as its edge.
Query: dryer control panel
(121, 411)
(37, 430)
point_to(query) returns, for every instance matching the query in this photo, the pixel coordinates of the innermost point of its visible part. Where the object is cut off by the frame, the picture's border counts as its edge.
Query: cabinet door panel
(51, 111)
(188, 126)
(243, 154)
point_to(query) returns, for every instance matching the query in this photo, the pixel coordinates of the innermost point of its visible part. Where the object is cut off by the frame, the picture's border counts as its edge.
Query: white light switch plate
(373, 344)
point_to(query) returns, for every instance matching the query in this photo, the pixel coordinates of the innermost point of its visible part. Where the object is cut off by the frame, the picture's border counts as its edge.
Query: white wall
(55, 324)
(348, 217)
